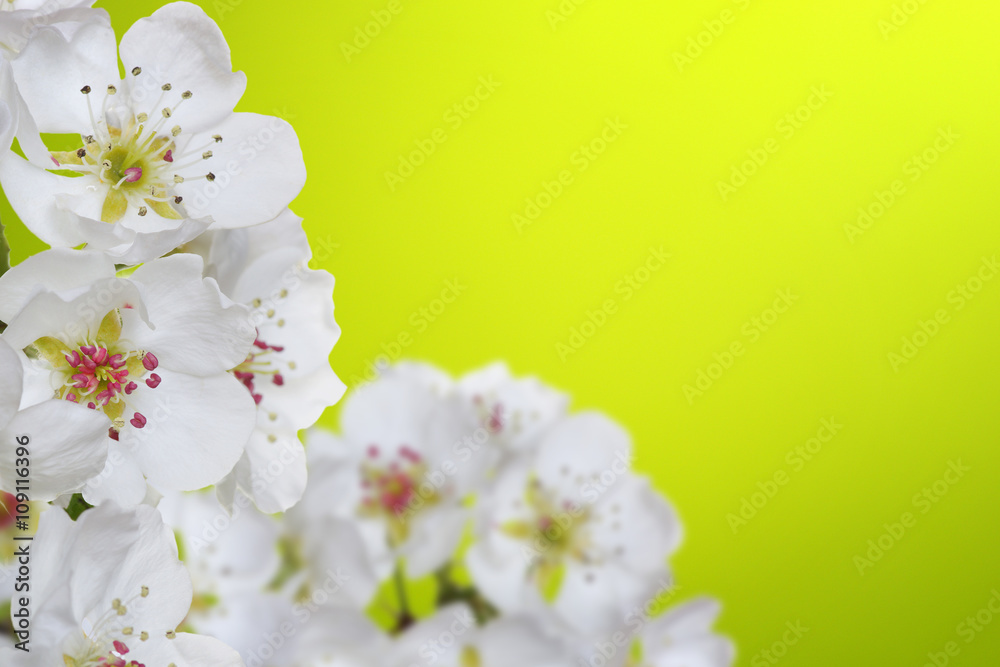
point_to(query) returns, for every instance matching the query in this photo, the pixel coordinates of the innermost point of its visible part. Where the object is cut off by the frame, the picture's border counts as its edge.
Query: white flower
(339, 637)
(231, 558)
(683, 637)
(511, 640)
(288, 370)
(19, 19)
(161, 155)
(515, 412)
(401, 469)
(66, 444)
(151, 352)
(109, 590)
(575, 528)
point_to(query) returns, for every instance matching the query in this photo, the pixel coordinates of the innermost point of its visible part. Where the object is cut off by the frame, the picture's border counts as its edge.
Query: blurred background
(761, 235)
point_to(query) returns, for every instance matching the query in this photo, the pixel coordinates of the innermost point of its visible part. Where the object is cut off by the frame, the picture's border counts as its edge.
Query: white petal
(51, 70)
(68, 445)
(49, 315)
(120, 481)
(13, 379)
(17, 120)
(125, 245)
(273, 474)
(185, 650)
(59, 270)
(586, 446)
(436, 533)
(180, 45)
(231, 251)
(35, 196)
(116, 554)
(196, 429)
(197, 330)
(260, 172)
(519, 641)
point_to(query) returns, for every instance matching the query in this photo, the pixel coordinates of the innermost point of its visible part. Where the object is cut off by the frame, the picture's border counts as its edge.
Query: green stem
(405, 618)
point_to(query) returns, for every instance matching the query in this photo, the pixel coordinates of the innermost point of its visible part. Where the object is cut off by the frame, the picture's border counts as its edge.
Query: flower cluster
(160, 359)
(173, 337)
(471, 523)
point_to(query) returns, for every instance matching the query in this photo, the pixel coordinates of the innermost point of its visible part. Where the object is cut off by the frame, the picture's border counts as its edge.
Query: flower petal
(272, 473)
(198, 330)
(52, 68)
(59, 270)
(13, 380)
(36, 195)
(263, 172)
(121, 481)
(68, 445)
(196, 429)
(180, 45)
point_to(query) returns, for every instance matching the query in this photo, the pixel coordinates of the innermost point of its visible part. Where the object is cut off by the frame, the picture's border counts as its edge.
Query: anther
(178, 179)
(167, 113)
(111, 89)
(136, 71)
(143, 636)
(210, 176)
(176, 130)
(178, 199)
(171, 634)
(142, 211)
(144, 591)
(166, 86)
(82, 152)
(85, 90)
(206, 155)
(186, 95)
(142, 117)
(127, 631)
(150, 362)
(218, 138)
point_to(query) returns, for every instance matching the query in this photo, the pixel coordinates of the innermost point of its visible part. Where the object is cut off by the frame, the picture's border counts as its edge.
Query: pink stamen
(409, 454)
(73, 359)
(168, 156)
(150, 362)
(133, 174)
(116, 361)
(92, 406)
(154, 381)
(113, 434)
(130, 387)
(100, 356)
(138, 420)
(88, 350)
(120, 648)
(72, 397)
(278, 380)
(373, 451)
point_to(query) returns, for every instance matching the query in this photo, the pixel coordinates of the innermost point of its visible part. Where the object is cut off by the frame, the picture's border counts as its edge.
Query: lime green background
(657, 185)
